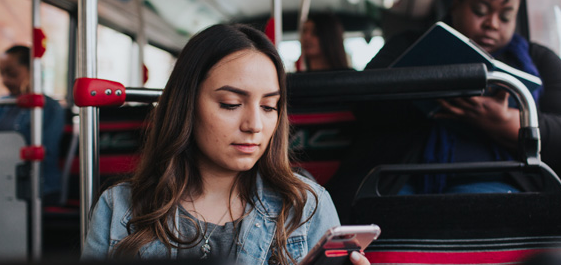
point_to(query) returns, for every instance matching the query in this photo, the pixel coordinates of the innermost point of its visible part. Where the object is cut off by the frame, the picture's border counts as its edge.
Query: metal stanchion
(89, 131)
(36, 137)
(277, 16)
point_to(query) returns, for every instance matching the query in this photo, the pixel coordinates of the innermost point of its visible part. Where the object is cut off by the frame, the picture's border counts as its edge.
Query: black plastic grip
(383, 84)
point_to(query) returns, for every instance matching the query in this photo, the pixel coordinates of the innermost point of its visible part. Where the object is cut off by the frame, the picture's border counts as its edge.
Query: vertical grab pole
(277, 15)
(302, 18)
(141, 42)
(36, 140)
(89, 133)
(303, 14)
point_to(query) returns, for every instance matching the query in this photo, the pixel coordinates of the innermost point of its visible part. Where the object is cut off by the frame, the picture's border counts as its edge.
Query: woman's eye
(268, 108)
(506, 17)
(229, 106)
(479, 10)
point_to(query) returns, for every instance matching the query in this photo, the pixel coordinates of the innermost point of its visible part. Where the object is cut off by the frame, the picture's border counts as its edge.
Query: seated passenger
(214, 180)
(14, 69)
(322, 43)
(472, 129)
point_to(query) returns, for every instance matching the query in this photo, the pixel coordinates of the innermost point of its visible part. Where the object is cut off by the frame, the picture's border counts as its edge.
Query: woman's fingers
(358, 259)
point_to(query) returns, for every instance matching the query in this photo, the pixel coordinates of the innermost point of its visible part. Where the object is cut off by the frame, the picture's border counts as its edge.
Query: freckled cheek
(270, 128)
(219, 130)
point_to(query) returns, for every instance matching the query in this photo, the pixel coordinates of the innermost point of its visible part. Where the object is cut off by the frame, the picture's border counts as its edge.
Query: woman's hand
(490, 113)
(358, 259)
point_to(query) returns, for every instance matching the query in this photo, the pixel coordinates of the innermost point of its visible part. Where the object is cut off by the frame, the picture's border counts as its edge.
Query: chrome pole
(528, 113)
(302, 18)
(36, 137)
(277, 15)
(89, 133)
(528, 110)
(303, 14)
(141, 42)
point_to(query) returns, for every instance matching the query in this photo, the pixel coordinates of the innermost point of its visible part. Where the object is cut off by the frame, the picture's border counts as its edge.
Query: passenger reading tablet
(467, 129)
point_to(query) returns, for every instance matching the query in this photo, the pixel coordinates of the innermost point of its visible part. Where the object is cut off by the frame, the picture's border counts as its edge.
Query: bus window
(362, 52)
(15, 28)
(290, 52)
(159, 64)
(544, 19)
(114, 56)
(358, 51)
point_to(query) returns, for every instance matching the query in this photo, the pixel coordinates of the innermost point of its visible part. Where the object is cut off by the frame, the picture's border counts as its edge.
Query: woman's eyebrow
(233, 90)
(272, 94)
(244, 92)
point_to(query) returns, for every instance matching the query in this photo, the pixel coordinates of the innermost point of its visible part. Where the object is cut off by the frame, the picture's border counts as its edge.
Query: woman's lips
(486, 41)
(246, 148)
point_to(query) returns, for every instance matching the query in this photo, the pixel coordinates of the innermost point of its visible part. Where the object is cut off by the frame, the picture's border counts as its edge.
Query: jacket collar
(267, 201)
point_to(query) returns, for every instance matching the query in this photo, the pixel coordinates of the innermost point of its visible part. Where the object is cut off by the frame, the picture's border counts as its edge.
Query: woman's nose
(493, 21)
(252, 120)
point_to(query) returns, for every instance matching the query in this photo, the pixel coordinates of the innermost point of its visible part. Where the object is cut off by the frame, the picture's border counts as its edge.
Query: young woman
(214, 179)
(322, 43)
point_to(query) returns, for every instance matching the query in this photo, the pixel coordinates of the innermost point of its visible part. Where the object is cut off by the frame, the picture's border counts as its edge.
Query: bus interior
(137, 44)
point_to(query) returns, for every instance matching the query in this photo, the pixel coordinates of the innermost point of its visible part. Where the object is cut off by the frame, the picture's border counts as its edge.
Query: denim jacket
(112, 212)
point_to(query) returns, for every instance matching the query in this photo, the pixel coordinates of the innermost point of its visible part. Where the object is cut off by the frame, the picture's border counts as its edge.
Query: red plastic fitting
(32, 153)
(270, 30)
(39, 43)
(31, 101)
(93, 92)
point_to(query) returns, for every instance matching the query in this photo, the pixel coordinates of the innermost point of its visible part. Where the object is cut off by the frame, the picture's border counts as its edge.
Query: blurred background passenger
(483, 128)
(14, 69)
(322, 43)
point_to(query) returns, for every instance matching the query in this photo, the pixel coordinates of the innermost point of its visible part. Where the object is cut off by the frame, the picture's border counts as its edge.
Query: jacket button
(258, 224)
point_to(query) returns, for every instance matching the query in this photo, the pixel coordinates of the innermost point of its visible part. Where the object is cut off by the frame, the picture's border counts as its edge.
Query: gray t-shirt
(221, 241)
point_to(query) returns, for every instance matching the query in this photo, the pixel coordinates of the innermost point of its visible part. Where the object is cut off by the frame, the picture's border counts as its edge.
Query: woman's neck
(216, 182)
(219, 195)
(214, 185)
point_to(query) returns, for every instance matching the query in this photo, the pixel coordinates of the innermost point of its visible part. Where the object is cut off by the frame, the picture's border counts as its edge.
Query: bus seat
(490, 228)
(13, 209)
(320, 139)
(120, 137)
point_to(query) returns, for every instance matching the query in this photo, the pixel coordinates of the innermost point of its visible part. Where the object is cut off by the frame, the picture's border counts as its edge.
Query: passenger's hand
(358, 259)
(490, 113)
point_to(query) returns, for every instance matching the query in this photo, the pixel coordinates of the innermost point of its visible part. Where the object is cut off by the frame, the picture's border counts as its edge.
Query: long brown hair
(167, 166)
(329, 31)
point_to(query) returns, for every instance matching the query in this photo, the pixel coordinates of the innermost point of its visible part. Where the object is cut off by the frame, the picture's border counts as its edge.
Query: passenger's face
(236, 112)
(309, 40)
(490, 23)
(14, 75)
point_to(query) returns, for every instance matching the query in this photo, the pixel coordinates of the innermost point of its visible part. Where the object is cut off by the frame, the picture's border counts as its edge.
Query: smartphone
(338, 242)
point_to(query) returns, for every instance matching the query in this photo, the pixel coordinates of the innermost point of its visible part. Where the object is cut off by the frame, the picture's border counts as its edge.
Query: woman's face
(490, 23)
(236, 112)
(309, 40)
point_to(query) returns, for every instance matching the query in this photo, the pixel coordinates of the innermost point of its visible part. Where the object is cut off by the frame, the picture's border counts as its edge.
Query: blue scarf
(441, 143)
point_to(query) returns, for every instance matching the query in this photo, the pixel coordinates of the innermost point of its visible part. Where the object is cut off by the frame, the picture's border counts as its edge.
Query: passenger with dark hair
(322, 43)
(214, 179)
(14, 69)
(483, 128)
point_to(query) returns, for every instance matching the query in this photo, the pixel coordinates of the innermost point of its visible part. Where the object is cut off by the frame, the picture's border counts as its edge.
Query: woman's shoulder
(318, 189)
(538, 51)
(117, 194)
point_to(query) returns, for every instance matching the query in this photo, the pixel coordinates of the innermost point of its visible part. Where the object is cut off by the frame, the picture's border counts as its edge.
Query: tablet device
(338, 242)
